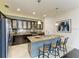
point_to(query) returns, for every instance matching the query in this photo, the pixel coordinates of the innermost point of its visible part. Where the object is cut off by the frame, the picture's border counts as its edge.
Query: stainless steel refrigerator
(4, 35)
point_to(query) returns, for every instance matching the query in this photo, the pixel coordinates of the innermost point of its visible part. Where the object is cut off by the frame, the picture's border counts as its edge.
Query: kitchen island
(37, 41)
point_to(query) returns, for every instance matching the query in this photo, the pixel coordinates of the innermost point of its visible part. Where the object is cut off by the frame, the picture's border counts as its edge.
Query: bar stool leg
(43, 54)
(39, 55)
(55, 53)
(48, 55)
(65, 48)
(58, 52)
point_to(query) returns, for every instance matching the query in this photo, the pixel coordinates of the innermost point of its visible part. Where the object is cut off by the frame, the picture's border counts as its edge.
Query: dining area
(46, 46)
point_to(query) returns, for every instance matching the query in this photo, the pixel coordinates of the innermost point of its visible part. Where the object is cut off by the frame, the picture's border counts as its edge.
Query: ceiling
(47, 7)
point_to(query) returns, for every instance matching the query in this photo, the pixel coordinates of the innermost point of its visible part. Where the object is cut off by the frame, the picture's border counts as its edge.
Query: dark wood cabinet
(34, 25)
(14, 24)
(20, 39)
(20, 25)
(29, 25)
(26, 24)
(40, 26)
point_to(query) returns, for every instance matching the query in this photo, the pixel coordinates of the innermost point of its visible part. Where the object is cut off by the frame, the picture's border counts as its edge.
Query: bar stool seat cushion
(53, 45)
(62, 43)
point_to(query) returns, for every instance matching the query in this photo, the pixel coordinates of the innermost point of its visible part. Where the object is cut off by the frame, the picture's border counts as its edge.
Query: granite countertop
(26, 33)
(42, 38)
(21, 34)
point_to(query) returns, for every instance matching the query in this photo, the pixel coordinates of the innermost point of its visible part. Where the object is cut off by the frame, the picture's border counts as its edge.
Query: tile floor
(21, 51)
(18, 51)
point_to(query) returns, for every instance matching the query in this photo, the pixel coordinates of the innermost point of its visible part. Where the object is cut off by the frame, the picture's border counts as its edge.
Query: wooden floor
(72, 54)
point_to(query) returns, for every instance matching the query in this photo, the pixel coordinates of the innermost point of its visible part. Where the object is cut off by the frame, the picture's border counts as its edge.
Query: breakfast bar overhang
(37, 41)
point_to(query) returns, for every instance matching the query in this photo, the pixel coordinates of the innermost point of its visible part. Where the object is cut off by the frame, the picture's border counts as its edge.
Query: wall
(74, 35)
(49, 25)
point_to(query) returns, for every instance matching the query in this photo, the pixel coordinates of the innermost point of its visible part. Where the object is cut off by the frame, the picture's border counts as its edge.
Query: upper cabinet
(20, 24)
(32, 24)
(29, 24)
(14, 24)
(35, 25)
(24, 24)
(40, 26)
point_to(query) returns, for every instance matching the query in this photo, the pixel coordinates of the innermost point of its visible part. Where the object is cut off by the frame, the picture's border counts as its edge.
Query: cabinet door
(9, 23)
(19, 24)
(40, 26)
(24, 24)
(29, 25)
(14, 24)
(33, 24)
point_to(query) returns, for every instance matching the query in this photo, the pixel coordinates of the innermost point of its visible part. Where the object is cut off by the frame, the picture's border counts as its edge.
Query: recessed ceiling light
(56, 24)
(18, 9)
(34, 13)
(44, 15)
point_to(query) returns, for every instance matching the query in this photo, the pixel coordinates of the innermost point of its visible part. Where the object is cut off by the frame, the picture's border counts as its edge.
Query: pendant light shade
(39, 22)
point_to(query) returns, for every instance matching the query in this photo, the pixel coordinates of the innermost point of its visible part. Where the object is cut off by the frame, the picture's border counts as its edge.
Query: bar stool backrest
(48, 46)
(66, 39)
(58, 42)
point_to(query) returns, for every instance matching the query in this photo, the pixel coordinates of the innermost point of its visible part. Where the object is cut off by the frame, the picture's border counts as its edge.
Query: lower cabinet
(19, 40)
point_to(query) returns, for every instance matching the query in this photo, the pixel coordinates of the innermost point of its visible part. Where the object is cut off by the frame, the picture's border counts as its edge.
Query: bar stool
(55, 47)
(63, 45)
(45, 49)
